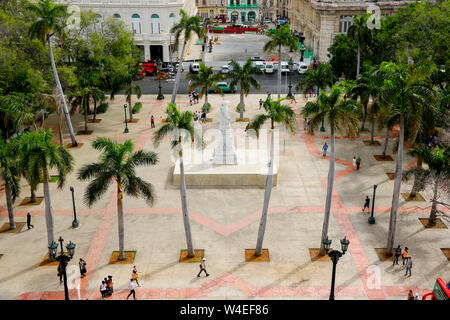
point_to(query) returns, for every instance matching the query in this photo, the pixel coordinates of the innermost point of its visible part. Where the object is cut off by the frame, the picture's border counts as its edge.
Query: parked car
(225, 69)
(195, 67)
(284, 67)
(302, 67)
(260, 65)
(269, 68)
(224, 87)
(256, 58)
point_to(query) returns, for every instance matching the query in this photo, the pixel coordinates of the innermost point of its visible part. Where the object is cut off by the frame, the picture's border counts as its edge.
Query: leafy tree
(360, 34)
(343, 53)
(118, 163)
(281, 37)
(342, 116)
(205, 79)
(243, 76)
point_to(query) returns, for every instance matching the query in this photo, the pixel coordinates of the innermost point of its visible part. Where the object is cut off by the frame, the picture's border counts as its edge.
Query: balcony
(244, 6)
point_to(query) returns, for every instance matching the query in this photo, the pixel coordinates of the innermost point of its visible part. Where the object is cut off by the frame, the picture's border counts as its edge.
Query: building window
(249, 1)
(344, 23)
(171, 21)
(231, 2)
(204, 2)
(155, 24)
(136, 23)
(116, 15)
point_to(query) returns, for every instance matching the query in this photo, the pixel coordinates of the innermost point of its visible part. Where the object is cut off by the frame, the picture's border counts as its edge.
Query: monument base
(209, 174)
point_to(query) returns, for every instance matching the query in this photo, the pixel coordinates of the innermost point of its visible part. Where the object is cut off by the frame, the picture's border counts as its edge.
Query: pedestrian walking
(358, 162)
(132, 292)
(410, 295)
(135, 276)
(260, 103)
(203, 268)
(82, 265)
(324, 149)
(60, 273)
(404, 255)
(315, 91)
(109, 286)
(354, 163)
(190, 99)
(409, 265)
(366, 205)
(397, 254)
(103, 290)
(29, 225)
(152, 121)
(293, 98)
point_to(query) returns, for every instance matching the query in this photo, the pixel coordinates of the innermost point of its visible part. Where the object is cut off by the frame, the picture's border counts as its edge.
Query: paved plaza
(225, 222)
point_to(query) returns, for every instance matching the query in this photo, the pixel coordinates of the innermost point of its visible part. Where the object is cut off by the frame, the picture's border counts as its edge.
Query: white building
(150, 21)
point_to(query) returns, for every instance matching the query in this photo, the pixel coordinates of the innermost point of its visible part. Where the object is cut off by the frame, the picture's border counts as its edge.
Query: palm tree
(177, 123)
(409, 94)
(205, 79)
(243, 76)
(438, 173)
(359, 32)
(342, 116)
(281, 37)
(118, 163)
(38, 152)
(276, 112)
(48, 24)
(186, 26)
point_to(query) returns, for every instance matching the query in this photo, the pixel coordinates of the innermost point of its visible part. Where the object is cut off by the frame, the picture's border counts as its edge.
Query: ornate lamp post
(335, 255)
(159, 65)
(75, 221)
(302, 50)
(371, 218)
(291, 67)
(126, 125)
(63, 259)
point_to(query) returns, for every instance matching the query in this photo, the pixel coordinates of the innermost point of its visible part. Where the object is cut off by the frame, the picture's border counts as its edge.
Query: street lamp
(302, 50)
(335, 255)
(75, 221)
(371, 218)
(159, 65)
(291, 67)
(63, 259)
(126, 125)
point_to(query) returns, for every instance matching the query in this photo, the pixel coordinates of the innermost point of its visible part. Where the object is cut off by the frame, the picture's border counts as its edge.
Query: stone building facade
(211, 8)
(150, 21)
(240, 11)
(321, 20)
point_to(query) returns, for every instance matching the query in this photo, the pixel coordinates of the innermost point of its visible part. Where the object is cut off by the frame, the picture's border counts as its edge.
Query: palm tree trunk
(9, 205)
(86, 104)
(178, 78)
(95, 109)
(415, 186)
(330, 184)
(48, 209)
(359, 61)
(130, 108)
(58, 83)
(397, 185)
(386, 141)
(120, 223)
(58, 116)
(268, 190)
(433, 213)
(241, 115)
(205, 106)
(33, 193)
(279, 71)
(363, 122)
(184, 206)
(372, 131)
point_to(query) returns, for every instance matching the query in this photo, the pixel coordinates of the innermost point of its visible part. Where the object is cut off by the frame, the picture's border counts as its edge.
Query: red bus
(440, 291)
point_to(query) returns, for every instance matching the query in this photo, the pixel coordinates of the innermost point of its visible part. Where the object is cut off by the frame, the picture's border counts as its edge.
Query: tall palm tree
(243, 76)
(48, 24)
(361, 34)
(409, 94)
(177, 123)
(342, 116)
(438, 173)
(205, 78)
(280, 113)
(186, 27)
(38, 152)
(118, 163)
(281, 37)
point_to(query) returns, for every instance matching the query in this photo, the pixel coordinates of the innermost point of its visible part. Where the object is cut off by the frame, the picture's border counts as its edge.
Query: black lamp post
(371, 218)
(159, 65)
(63, 259)
(291, 67)
(322, 127)
(335, 255)
(126, 125)
(302, 50)
(75, 221)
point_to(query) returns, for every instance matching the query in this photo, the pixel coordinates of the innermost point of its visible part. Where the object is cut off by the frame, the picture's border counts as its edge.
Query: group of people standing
(193, 97)
(200, 116)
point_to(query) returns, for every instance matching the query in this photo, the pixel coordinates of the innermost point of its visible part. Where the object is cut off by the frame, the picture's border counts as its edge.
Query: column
(327, 25)
(146, 51)
(166, 52)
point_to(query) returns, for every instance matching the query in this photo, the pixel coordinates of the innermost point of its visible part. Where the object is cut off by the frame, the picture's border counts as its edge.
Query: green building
(243, 10)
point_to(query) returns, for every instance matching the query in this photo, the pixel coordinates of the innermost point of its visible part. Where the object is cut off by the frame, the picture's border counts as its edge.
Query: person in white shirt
(203, 268)
(103, 290)
(354, 163)
(131, 290)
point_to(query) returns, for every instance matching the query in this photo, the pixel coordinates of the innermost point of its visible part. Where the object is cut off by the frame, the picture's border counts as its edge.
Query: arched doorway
(234, 16)
(251, 16)
(243, 17)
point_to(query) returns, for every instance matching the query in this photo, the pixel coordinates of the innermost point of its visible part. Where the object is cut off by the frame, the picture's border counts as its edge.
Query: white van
(302, 67)
(269, 67)
(195, 67)
(260, 65)
(284, 67)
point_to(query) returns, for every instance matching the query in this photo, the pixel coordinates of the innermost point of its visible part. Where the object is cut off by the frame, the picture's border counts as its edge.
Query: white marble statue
(224, 153)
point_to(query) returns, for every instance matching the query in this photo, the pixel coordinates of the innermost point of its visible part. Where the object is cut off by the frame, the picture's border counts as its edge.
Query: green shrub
(137, 107)
(102, 107)
(238, 108)
(208, 107)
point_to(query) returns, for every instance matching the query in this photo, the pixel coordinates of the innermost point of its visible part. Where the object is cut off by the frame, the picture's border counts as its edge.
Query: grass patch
(129, 257)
